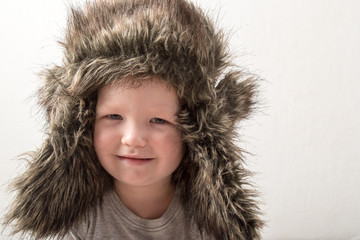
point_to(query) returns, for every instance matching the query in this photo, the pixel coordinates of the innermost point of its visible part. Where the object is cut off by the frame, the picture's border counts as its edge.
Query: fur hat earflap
(216, 184)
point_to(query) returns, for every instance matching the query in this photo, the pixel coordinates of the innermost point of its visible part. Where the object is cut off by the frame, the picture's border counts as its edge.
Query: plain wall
(305, 136)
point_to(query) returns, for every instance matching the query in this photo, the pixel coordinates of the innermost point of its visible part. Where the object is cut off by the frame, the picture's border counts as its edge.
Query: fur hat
(112, 41)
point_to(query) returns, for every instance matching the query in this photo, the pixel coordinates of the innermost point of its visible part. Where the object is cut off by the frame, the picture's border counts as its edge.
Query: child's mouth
(134, 160)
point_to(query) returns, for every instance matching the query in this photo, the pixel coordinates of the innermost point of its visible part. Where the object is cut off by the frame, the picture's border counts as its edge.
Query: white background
(305, 138)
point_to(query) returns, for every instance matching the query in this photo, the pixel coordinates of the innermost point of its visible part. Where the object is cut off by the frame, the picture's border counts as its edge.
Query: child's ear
(235, 96)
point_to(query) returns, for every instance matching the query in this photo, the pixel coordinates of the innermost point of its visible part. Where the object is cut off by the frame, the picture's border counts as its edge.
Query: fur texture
(106, 42)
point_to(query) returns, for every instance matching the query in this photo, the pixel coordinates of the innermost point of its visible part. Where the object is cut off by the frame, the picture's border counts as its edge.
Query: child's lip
(135, 160)
(134, 157)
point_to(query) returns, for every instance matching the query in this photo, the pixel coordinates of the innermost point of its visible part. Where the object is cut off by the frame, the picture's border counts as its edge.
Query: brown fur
(107, 42)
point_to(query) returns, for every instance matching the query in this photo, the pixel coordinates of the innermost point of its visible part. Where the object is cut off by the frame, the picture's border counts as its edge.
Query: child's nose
(134, 136)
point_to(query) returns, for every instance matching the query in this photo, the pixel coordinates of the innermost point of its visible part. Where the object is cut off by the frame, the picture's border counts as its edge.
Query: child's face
(135, 136)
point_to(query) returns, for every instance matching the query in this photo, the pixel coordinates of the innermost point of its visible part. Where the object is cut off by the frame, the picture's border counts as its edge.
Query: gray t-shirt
(112, 220)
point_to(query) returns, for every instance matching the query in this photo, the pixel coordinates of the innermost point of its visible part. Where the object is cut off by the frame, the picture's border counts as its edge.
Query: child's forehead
(149, 92)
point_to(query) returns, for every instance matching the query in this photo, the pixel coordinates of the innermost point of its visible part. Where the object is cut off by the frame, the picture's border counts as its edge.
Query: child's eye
(115, 116)
(158, 121)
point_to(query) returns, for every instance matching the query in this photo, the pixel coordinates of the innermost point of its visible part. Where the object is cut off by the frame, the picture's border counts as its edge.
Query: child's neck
(148, 202)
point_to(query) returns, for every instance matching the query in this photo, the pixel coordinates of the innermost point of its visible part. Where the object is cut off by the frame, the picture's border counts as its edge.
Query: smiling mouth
(134, 160)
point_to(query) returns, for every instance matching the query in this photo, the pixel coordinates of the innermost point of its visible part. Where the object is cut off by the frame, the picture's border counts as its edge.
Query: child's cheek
(171, 144)
(102, 136)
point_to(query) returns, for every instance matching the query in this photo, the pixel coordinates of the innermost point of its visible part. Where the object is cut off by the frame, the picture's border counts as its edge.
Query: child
(141, 131)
